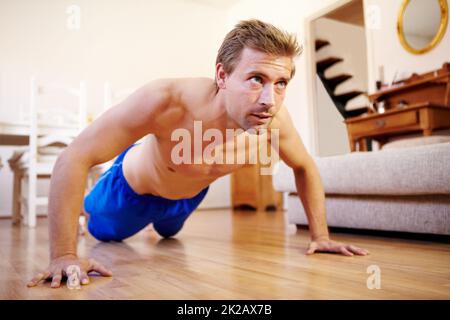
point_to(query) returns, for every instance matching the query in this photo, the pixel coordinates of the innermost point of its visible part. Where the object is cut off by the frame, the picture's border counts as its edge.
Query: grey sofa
(396, 189)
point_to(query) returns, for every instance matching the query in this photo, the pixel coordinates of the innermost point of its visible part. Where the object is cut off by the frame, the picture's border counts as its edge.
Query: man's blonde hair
(258, 35)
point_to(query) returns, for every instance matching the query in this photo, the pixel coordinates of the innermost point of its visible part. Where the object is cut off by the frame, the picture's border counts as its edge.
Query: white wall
(332, 132)
(127, 42)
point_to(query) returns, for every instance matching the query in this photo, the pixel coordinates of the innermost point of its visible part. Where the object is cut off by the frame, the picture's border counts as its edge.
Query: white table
(17, 133)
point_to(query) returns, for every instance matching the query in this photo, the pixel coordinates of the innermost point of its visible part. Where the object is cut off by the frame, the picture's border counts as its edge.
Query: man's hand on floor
(327, 245)
(58, 267)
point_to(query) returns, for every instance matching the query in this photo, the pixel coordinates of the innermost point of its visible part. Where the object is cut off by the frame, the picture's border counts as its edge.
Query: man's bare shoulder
(176, 96)
(180, 88)
(192, 90)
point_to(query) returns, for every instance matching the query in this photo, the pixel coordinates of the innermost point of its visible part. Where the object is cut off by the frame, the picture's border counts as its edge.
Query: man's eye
(256, 79)
(282, 84)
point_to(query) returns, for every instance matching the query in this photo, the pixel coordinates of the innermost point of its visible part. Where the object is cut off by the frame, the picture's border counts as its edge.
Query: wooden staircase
(330, 84)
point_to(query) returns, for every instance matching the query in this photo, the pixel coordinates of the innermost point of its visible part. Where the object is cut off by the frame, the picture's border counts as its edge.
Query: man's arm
(105, 138)
(309, 186)
(307, 178)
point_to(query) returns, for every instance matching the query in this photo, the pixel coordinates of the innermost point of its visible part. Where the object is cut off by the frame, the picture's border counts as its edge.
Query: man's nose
(267, 97)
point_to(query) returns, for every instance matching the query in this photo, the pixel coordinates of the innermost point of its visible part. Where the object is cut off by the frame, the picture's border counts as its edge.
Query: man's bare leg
(82, 222)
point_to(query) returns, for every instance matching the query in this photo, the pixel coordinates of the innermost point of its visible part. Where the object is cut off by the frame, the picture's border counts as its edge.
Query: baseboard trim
(388, 234)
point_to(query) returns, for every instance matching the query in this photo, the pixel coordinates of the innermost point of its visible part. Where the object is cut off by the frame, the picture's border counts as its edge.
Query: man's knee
(166, 230)
(103, 232)
(166, 233)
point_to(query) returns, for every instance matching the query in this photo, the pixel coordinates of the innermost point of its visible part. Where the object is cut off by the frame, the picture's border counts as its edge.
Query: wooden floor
(225, 255)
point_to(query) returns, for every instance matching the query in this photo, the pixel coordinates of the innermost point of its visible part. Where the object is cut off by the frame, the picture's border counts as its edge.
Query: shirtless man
(145, 185)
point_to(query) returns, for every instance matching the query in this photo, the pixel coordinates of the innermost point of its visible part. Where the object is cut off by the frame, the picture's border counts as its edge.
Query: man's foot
(82, 225)
(149, 228)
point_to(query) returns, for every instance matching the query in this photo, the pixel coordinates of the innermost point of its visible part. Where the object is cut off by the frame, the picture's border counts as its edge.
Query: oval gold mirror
(421, 24)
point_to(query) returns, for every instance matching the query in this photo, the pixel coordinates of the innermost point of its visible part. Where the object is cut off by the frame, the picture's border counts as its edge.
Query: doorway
(338, 73)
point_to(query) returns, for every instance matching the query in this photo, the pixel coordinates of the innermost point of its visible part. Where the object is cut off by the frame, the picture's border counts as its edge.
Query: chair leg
(16, 216)
(31, 202)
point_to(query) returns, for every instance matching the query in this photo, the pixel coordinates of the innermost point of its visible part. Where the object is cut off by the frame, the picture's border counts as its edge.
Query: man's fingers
(95, 266)
(312, 248)
(336, 247)
(357, 250)
(84, 278)
(56, 282)
(344, 251)
(41, 276)
(35, 280)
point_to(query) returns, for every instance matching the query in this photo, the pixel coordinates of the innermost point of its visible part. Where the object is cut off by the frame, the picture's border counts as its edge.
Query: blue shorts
(117, 212)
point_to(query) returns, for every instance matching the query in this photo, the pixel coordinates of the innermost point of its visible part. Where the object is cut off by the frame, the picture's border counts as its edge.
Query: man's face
(254, 91)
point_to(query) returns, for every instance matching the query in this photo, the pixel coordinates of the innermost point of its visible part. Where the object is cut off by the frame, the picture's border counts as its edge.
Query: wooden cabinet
(432, 87)
(250, 189)
(419, 104)
(383, 123)
(420, 118)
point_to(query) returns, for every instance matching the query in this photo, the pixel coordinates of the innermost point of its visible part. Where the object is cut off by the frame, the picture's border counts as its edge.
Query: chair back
(55, 120)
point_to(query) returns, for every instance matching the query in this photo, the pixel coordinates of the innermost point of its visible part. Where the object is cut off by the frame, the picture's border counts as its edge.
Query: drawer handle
(380, 123)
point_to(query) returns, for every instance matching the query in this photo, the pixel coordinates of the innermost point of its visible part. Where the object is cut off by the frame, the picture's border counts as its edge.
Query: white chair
(51, 130)
(111, 96)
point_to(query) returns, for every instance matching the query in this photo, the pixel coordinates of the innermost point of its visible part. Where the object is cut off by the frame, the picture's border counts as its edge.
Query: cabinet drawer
(383, 123)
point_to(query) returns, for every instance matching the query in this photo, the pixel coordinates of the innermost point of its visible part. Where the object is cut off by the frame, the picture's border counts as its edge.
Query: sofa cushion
(422, 214)
(406, 171)
(414, 142)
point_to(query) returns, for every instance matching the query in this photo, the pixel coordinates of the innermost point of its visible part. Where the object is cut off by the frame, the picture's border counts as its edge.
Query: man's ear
(221, 76)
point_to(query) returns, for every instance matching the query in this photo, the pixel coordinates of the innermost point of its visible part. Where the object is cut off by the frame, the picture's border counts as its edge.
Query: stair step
(320, 43)
(345, 97)
(324, 64)
(355, 112)
(333, 82)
